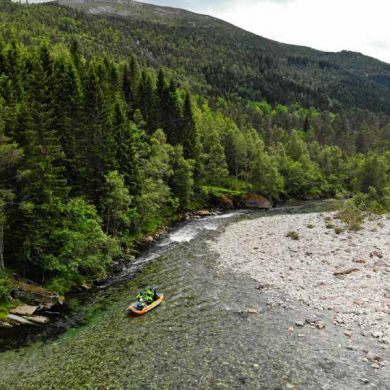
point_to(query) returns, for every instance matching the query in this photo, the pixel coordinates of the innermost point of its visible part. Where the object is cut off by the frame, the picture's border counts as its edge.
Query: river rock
(225, 202)
(5, 325)
(37, 319)
(360, 261)
(203, 213)
(374, 357)
(380, 265)
(24, 310)
(252, 311)
(33, 293)
(254, 201)
(300, 324)
(376, 254)
(346, 271)
(19, 319)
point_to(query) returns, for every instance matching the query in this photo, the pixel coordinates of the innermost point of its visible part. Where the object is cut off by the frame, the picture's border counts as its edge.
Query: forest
(98, 150)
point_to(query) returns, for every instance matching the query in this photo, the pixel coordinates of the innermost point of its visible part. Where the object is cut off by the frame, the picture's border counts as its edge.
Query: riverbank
(310, 258)
(215, 330)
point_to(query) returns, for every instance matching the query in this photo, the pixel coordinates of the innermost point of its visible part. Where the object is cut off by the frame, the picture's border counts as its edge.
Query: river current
(201, 337)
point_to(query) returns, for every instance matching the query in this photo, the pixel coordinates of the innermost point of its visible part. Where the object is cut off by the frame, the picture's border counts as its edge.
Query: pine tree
(182, 181)
(190, 140)
(145, 102)
(10, 154)
(66, 103)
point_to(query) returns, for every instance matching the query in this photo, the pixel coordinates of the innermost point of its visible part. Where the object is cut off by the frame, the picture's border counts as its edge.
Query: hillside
(225, 60)
(210, 56)
(112, 125)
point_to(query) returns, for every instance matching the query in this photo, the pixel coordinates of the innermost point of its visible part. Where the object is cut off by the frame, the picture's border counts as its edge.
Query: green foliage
(293, 235)
(78, 246)
(5, 287)
(352, 216)
(116, 203)
(96, 148)
(182, 182)
(156, 172)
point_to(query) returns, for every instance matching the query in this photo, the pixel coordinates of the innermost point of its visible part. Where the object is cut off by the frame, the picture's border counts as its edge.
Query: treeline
(214, 58)
(94, 153)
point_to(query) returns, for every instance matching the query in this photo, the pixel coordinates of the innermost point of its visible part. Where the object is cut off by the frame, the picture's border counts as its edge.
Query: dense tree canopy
(98, 149)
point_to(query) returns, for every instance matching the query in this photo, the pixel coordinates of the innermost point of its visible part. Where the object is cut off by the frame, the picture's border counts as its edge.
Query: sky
(330, 25)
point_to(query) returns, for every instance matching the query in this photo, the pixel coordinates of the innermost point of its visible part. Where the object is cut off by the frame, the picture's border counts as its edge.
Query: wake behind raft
(145, 302)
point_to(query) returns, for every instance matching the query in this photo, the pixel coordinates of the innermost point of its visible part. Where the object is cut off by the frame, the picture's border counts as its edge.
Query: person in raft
(148, 297)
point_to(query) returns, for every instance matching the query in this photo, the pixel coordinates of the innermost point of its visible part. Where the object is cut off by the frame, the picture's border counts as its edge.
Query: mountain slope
(226, 60)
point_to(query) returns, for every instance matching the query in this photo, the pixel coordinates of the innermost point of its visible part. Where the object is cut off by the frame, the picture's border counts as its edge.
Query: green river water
(200, 338)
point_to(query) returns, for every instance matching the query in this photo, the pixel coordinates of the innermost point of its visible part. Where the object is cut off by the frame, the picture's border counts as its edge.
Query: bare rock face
(37, 319)
(31, 293)
(24, 310)
(254, 201)
(19, 319)
(226, 202)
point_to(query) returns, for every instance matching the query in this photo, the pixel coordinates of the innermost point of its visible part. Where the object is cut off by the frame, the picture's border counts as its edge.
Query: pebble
(374, 357)
(359, 300)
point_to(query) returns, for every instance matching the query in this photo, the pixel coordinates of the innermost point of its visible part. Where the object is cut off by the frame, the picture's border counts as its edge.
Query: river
(201, 337)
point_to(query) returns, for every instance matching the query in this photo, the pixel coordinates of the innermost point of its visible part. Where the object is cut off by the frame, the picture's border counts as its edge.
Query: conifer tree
(182, 181)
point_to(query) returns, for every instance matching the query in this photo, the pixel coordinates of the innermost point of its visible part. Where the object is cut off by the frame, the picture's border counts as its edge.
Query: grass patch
(339, 230)
(293, 235)
(352, 216)
(5, 307)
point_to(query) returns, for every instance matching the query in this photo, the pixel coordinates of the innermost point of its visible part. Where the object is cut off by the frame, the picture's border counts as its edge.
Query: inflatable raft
(133, 307)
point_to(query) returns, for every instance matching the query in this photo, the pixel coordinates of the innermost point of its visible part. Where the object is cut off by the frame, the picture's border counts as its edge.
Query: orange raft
(133, 307)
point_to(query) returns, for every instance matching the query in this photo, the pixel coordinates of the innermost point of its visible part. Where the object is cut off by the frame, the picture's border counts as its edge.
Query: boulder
(203, 213)
(226, 202)
(373, 356)
(19, 319)
(346, 271)
(24, 310)
(31, 293)
(378, 254)
(37, 319)
(254, 201)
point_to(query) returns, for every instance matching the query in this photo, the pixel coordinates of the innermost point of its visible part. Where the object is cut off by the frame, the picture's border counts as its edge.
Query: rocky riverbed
(341, 277)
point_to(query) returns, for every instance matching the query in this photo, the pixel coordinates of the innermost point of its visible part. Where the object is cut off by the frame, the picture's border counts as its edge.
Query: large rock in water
(254, 201)
(19, 319)
(24, 310)
(32, 293)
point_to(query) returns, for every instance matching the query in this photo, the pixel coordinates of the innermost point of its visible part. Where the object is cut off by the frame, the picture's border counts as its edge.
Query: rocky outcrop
(37, 319)
(226, 202)
(31, 293)
(253, 201)
(24, 310)
(19, 319)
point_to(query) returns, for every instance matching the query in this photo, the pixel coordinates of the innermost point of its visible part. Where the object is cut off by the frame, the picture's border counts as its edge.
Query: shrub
(339, 230)
(352, 216)
(5, 287)
(293, 235)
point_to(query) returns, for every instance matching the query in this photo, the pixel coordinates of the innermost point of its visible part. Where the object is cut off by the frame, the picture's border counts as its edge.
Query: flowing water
(201, 337)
